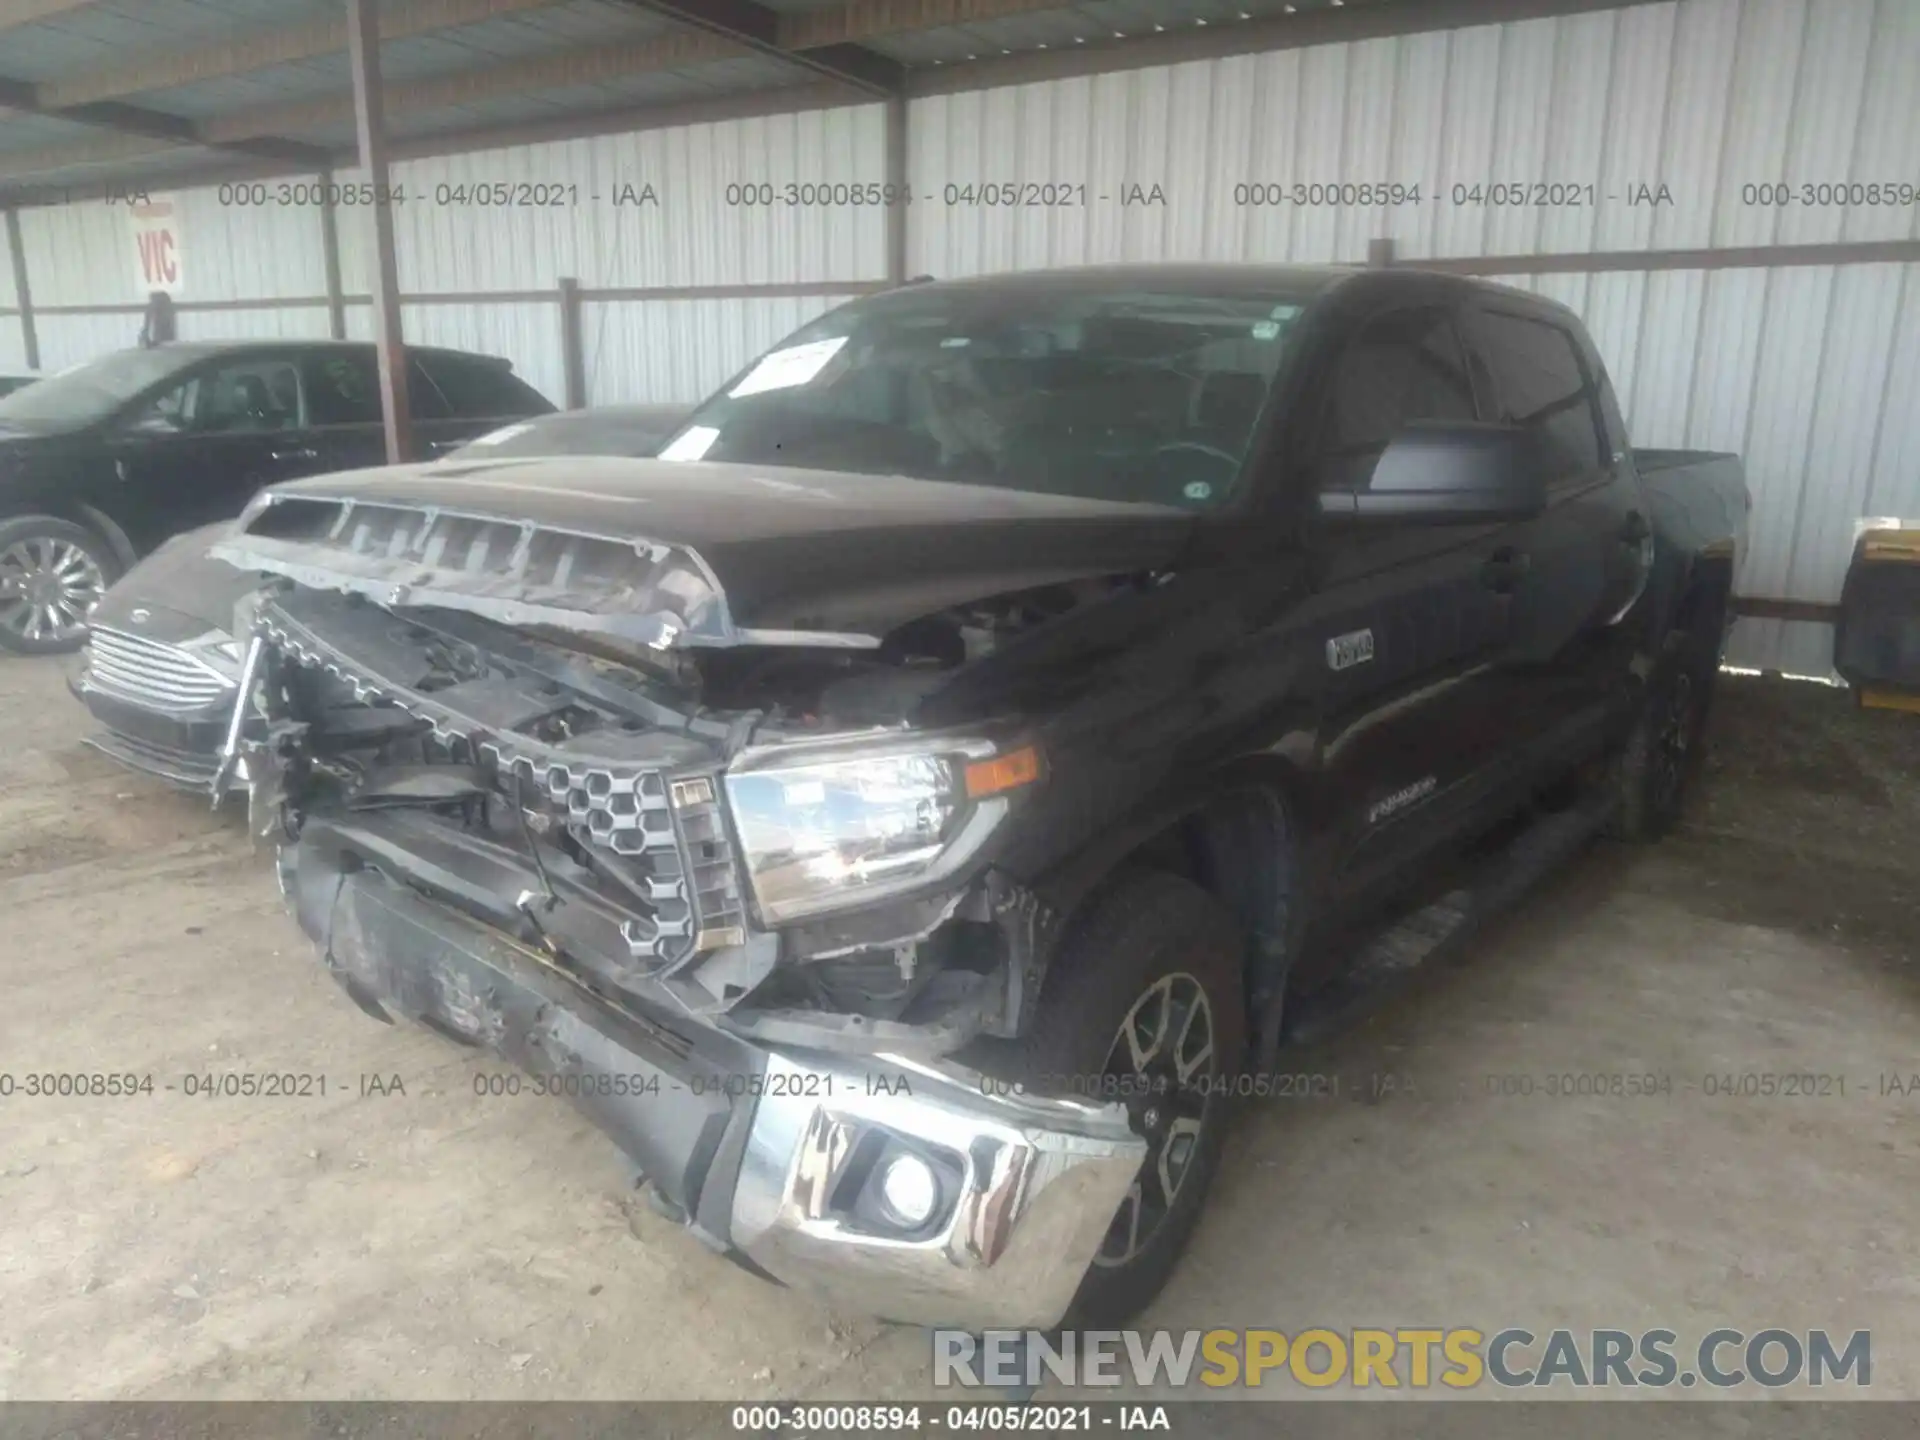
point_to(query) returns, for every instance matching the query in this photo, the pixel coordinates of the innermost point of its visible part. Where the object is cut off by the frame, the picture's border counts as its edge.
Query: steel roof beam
(15, 13)
(758, 28)
(154, 125)
(469, 87)
(226, 57)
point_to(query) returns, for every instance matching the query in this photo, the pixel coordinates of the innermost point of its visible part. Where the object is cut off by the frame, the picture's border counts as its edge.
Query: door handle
(304, 452)
(1505, 569)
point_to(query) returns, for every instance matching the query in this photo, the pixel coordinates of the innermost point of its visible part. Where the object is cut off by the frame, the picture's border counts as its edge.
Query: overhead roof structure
(98, 96)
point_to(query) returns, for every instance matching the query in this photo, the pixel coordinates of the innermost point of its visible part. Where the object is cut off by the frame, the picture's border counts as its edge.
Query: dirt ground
(431, 1244)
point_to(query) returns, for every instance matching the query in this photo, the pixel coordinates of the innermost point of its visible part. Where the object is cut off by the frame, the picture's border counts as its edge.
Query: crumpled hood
(673, 554)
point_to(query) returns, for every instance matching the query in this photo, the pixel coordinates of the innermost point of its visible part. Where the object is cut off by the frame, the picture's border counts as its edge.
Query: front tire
(52, 573)
(1145, 1004)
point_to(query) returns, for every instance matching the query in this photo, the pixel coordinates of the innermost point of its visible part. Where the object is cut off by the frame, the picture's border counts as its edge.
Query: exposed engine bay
(570, 789)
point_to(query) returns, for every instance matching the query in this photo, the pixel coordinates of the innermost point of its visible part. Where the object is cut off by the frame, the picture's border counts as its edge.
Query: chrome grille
(151, 673)
(693, 888)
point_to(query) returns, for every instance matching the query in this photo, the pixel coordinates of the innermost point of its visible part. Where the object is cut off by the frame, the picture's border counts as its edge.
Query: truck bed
(1699, 497)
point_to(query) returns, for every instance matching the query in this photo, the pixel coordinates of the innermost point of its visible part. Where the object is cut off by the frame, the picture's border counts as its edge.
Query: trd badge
(1353, 648)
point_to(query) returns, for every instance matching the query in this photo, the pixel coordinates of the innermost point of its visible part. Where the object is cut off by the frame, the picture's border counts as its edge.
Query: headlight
(821, 834)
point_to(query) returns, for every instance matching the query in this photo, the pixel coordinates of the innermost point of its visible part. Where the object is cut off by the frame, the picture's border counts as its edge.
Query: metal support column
(363, 55)
(573, 357)
(29, 337)
(330, 259)
(895, 159)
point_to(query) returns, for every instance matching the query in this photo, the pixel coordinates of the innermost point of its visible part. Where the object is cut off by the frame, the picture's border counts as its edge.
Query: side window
(342, 389)
(481, 390)
(247, 395)
(1544, 390)
(1402, 367)
(423, 395)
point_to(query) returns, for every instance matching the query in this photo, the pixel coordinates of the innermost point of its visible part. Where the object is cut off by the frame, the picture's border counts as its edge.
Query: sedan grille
(151, 673)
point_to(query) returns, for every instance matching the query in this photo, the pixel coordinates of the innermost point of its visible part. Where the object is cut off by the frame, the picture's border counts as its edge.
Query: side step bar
(1389, 956)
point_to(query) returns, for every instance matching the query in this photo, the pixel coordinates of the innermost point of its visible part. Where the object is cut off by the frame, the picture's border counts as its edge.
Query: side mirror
(1446, 474)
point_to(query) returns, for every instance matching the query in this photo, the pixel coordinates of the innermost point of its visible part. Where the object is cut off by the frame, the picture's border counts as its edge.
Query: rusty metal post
(363, 55)
(895, 155)
(330, 259)
(573, 356)
(29, 337)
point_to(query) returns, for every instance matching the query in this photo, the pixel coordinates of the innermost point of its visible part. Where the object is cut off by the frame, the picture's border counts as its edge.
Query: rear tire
(1663, 751)
(1154, 961)
(52, 573)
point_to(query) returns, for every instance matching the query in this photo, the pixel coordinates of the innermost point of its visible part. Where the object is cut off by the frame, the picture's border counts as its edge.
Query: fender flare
(123, 547)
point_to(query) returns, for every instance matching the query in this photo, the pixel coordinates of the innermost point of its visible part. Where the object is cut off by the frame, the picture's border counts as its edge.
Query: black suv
(100, 463)
(906, 812)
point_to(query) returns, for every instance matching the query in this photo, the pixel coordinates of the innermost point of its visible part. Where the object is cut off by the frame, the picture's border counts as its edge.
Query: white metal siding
(70, 339)
(526, 334)
(83, 253)
(692, 236)
(1703, 96)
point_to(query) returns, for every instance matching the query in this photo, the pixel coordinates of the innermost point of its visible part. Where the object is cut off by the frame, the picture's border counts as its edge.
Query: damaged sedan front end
(545, 788)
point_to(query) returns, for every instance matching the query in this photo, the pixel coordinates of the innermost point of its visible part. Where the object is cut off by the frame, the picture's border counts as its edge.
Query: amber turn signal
(1003, 772)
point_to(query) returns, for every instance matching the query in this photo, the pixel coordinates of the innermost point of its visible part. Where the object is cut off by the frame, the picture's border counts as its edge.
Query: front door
(201, 450)
(1591, 549)
(1414, 620)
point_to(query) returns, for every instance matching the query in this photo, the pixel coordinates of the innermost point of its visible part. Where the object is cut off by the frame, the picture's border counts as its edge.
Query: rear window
(1545, 390)
(343, 388)
(481, 389)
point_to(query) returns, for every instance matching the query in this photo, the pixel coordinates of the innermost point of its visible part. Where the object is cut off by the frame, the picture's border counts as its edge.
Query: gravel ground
(407, 1239)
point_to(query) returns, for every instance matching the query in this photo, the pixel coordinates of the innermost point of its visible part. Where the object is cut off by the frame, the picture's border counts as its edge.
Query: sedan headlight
(825, 833)
(218, 651)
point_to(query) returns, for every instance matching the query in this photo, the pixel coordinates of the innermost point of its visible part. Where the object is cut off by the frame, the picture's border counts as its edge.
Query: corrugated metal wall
(691, 236)
(1705, 97)
(1813, 374)
(82, 254)
(607, 234)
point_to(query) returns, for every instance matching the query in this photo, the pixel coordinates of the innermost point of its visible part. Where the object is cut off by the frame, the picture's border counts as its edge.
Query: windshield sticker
(1265, 329)
(504, 433)
(695, 443)
(784, 369)
(1283, 313)
(1198, 490)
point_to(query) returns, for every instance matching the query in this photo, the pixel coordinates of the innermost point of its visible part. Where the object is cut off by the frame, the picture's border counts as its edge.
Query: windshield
(1118, 395)
(91, 391)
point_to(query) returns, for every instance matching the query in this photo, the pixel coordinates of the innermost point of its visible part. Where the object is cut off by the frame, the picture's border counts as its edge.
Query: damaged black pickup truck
(908, 812)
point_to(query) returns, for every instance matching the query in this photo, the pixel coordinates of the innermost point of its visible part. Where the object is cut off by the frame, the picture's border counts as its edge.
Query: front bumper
(180, 748)
(761, 1150)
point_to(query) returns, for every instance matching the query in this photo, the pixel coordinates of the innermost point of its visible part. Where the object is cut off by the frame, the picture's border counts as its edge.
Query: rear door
(1589, 554)
(1414, 618)
(343, 400)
